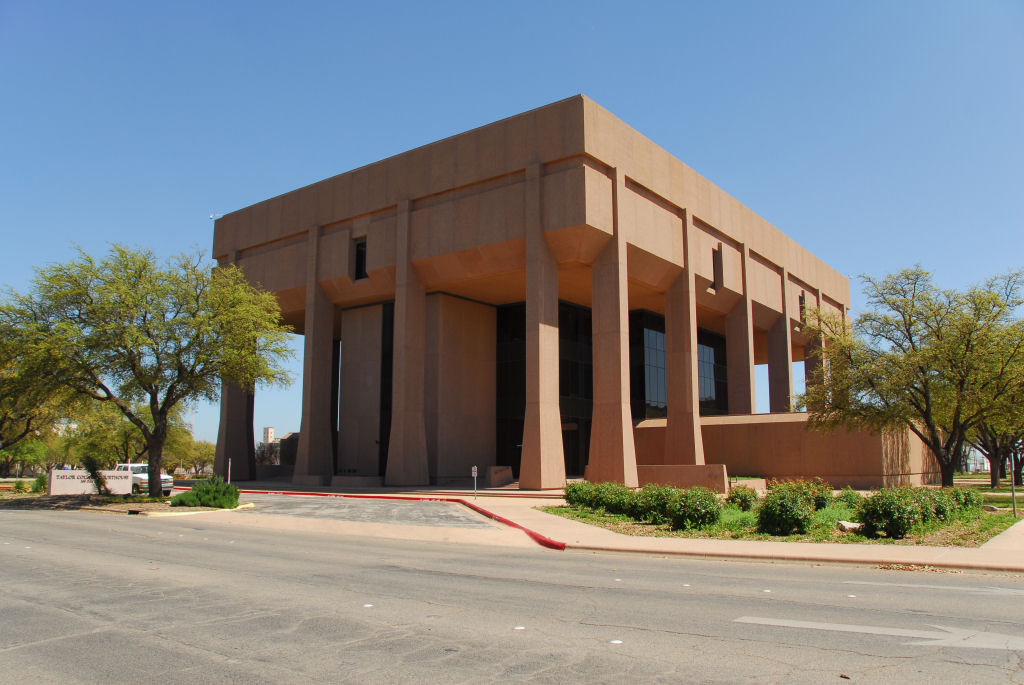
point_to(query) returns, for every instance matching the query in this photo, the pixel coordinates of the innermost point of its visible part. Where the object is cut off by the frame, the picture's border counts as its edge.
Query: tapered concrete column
(683, 441)
(780, 359)
(235, 436)
(235, 440)
(612, 452)
(739, 345)
(407, 447)
(314, 459)
(543, 463)
(813, 361)
(813, 366)
(780, 367)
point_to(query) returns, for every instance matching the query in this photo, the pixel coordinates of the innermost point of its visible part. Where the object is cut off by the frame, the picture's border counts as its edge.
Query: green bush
(19, 486)
(893, 511)
(185, 499)
(93, 466)
(743, 497)
(580, 494)
(650, 503)
(820, 491)
(695, 507)
(786, 509)
(936, 505)
(850, 497)
(211, 493)
(967, 499)
(817, 492)
(612, 497)
(41, 483)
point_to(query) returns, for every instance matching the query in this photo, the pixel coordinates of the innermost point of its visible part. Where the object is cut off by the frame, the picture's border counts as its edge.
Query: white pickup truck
(140, 478)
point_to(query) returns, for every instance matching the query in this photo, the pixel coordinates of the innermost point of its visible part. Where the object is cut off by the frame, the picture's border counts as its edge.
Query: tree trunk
(996, 468)
(1018, 467)
(948, 469)
(156, 453)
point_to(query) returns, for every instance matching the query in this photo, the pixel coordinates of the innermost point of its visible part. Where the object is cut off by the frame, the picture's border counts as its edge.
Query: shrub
(743, 497)
(41, 483)
(93, 466)
(850, 497)
(967, 499)
(893, 511)
(820, 492)
(211, 493)
(19, 486)
(650, 503)
(936, 504)
(786, 509)
(612, 497)
(580, 494)
(695, 507)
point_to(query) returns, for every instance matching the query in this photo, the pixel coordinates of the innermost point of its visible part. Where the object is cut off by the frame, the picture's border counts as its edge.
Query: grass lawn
(970, 531)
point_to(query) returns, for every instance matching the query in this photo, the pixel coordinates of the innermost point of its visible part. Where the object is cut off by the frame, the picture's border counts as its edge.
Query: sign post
(474, 482)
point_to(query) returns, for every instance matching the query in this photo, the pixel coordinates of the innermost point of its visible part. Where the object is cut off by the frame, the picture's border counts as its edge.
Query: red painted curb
(541, 540)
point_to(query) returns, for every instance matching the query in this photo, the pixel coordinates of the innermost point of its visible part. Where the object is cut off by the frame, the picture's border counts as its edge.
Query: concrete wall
(459, 378)
(359, 391)
(779, 446)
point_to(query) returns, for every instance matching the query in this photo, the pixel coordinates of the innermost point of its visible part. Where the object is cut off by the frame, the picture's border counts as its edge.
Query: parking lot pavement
(359, 510)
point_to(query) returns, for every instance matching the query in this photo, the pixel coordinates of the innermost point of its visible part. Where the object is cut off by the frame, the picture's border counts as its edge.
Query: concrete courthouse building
(552, 293)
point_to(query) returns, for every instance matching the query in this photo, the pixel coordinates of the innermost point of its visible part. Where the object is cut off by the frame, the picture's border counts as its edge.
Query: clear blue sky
(877, 134)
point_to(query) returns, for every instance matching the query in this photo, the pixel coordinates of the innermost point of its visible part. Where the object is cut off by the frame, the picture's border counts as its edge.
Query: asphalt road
(91, 598)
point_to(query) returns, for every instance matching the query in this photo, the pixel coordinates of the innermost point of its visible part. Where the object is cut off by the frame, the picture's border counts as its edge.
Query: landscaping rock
(849, 526)
(989, 507)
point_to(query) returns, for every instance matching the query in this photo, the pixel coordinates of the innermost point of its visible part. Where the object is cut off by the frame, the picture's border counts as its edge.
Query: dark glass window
(510, 385)
(712, 379)
(575, 384)
(387, 347)
(648, 386)
(360, 259)
(648, 375)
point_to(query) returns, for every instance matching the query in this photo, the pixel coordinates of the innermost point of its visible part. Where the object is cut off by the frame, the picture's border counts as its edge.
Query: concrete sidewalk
(518, 508)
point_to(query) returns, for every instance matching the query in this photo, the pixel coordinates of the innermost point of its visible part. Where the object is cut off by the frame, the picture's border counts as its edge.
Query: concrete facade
(395, 274)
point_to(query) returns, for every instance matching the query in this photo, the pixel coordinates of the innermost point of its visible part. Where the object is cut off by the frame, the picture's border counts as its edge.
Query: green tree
(101, 430)
(133, 332)
(932, 360)
(28, 405)
(24, 453)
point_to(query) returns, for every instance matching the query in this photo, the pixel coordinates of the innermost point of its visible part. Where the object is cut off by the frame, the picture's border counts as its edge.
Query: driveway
(366, 510)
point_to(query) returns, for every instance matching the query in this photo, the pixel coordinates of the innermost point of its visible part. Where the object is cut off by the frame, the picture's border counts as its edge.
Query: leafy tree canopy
(939, 362)
(145, 336)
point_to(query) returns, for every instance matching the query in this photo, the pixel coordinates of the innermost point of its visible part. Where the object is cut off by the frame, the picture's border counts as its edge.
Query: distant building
(268, 434)
(552, 293)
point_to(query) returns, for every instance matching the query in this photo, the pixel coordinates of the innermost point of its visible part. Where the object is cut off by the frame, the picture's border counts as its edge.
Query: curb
(541, 540)
(806, 558)
(158, 514)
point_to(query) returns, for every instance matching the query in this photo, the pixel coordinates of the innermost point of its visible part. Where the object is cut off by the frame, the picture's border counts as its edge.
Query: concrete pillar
(612, 452)
(813, 362)
(543, 463)
(780, 358)
(739, 345)
(813, 366)
(407, 446)
(314, 459)
(683, 441)
(235, 435)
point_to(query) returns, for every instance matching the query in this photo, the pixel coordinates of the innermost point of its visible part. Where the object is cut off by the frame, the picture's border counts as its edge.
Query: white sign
(78, 482)
(474, 472)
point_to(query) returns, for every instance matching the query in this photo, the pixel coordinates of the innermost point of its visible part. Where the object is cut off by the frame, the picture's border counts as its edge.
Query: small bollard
(474, 482)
